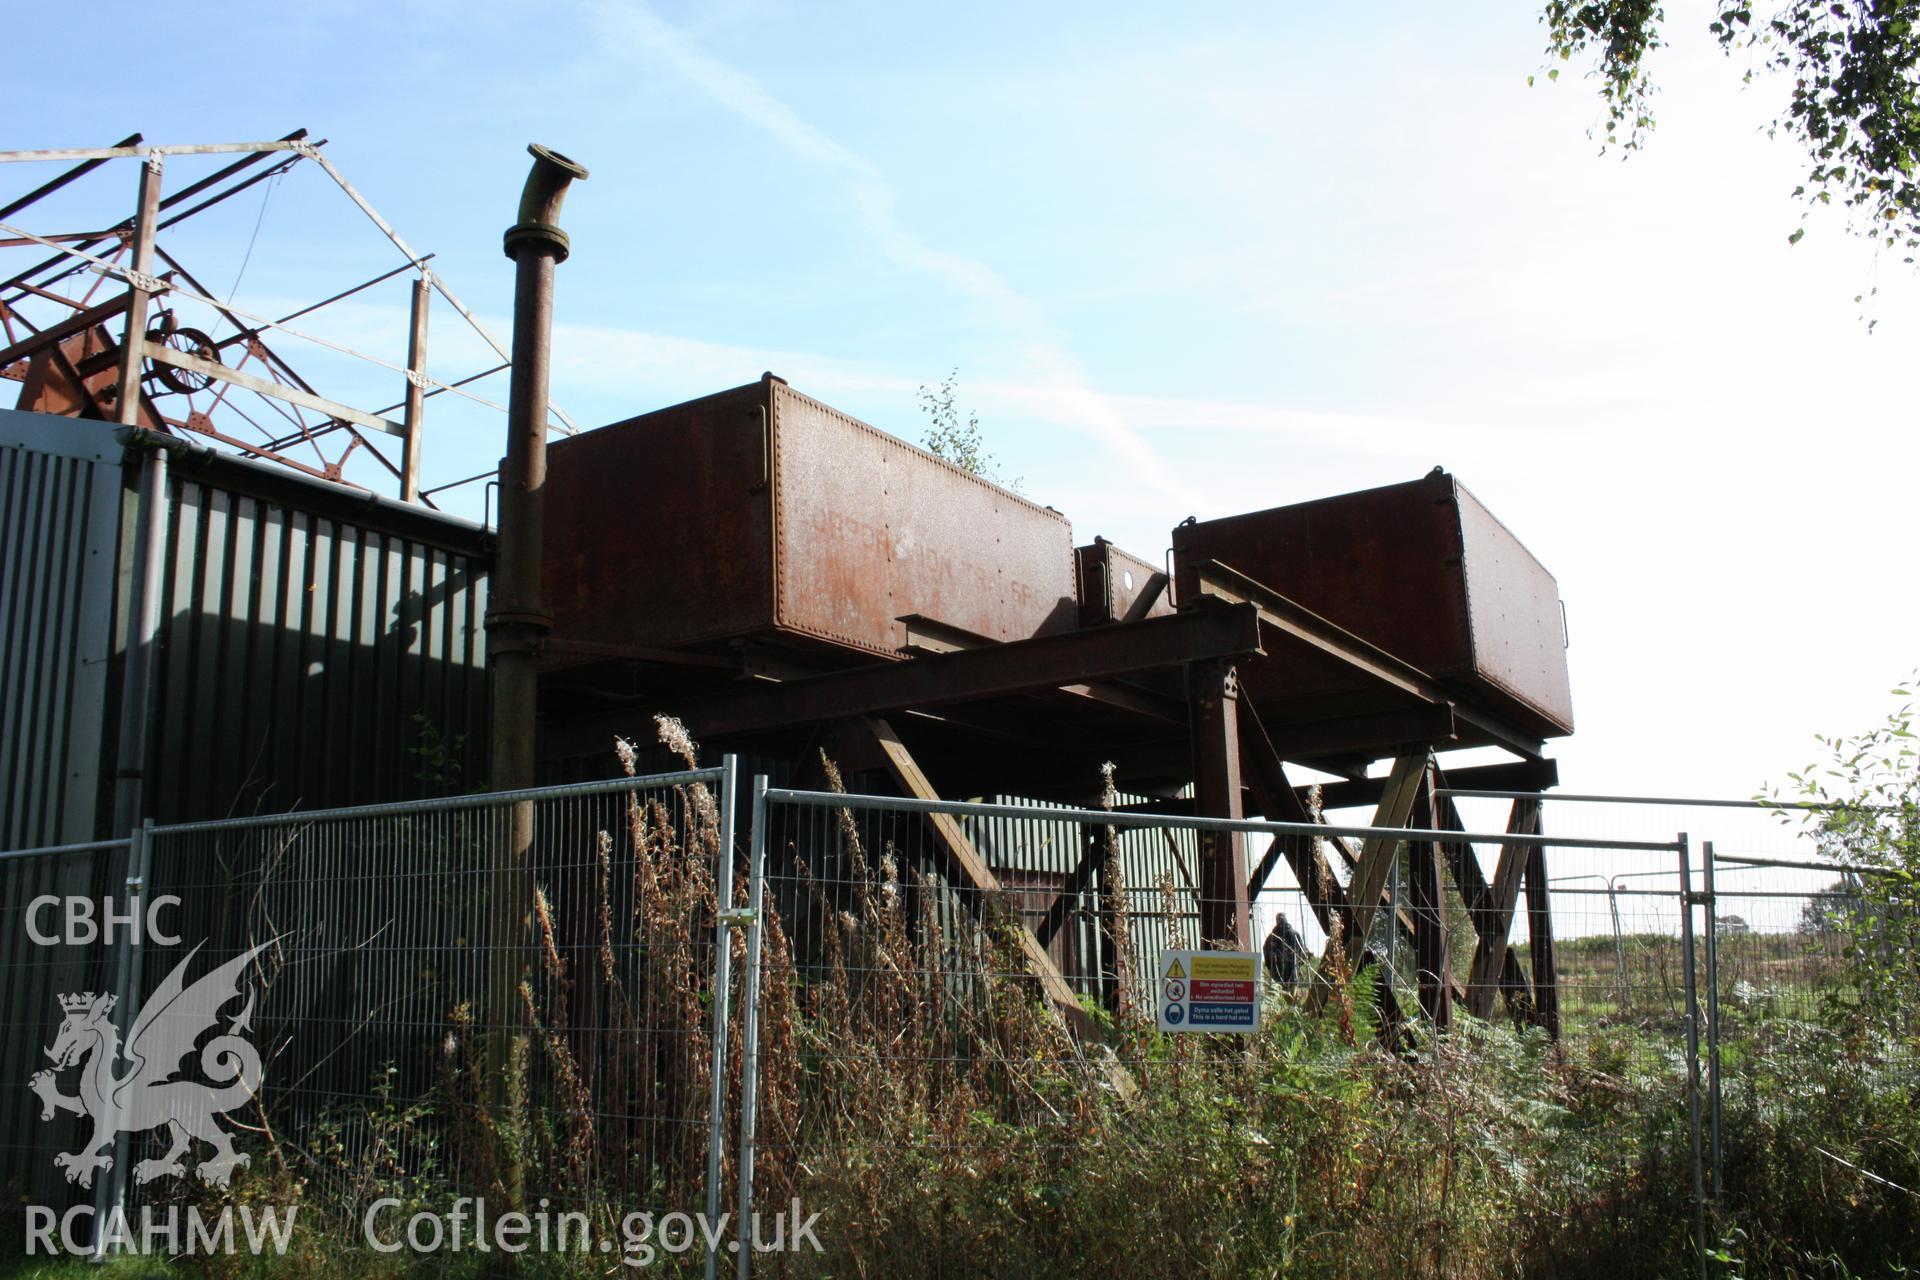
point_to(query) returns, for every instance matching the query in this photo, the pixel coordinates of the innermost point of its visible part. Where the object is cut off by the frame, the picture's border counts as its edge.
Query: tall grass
(920, 1093)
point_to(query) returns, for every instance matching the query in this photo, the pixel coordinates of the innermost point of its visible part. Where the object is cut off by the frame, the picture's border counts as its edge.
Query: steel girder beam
(1020, 666)
(1297, 621)
(1520, 775)
(1426, 725)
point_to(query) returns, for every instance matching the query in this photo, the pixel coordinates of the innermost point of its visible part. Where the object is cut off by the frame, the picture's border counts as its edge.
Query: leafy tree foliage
(1868, 793)
(956, 439)
(1854, 104)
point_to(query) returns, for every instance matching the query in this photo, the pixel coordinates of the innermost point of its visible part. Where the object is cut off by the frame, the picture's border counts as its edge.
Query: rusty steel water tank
(1422, 570)
(762, 513)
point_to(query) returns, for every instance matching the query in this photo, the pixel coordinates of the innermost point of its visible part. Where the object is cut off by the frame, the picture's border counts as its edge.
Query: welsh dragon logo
(146, 1094)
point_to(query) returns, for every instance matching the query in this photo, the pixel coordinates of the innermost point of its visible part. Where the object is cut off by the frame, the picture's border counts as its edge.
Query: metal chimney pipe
(517, 625)
(516, 622)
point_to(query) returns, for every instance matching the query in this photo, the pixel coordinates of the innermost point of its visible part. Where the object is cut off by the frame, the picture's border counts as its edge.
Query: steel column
(1214, 690)
(415, 418)
(129, 797)
(1546, 974)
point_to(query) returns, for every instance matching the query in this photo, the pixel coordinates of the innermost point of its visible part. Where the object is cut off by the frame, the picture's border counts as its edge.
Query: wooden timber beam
(1546, 974)
(1019, 666)
(1493, 921)
(1279, 801)
(1376, 852)
(1480, 897)
(1428, 906)
(970, 868)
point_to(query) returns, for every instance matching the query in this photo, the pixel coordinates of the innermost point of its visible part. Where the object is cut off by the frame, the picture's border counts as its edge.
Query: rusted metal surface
(1224, 903)
(1115, 586)
(869, 529)
(761, 512)
(990, 671)
(1421, 570)
(660, 533)
(215, 375)
(516, 622)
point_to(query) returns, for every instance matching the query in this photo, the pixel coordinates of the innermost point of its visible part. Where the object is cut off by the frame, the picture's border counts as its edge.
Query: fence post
(724, 920)
(1623, 995)
(111, 1193)
(1693, 1053)
(1713, 1021)
(750, 1021)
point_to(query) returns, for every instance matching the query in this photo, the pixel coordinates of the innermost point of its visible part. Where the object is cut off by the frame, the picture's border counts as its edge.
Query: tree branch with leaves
(1853, 104)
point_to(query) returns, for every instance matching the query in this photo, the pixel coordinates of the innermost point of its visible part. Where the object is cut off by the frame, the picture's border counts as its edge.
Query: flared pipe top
(540, 200)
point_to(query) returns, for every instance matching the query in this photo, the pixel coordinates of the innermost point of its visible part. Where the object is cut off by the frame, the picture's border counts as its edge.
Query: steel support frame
(1225, 584)
(966, 675)
(1214, 694)
(294, 147)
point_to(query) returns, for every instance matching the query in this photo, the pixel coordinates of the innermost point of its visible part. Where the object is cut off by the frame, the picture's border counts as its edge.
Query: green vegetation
(956, 439)
(1854, 104)
(920, 1095)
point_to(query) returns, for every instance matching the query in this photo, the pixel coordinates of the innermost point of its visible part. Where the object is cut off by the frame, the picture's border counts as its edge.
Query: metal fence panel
(34, 974)
(881, 1004)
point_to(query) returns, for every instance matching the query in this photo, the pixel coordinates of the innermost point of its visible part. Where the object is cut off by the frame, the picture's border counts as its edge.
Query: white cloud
(1080, 407)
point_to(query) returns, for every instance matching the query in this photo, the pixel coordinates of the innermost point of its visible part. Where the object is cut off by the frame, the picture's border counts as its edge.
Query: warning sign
(1210, 991)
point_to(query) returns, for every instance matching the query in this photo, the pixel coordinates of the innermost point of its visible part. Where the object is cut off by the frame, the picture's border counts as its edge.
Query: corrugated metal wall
(1044, 853)
(309, 658)
(318, 646)
(60, 494)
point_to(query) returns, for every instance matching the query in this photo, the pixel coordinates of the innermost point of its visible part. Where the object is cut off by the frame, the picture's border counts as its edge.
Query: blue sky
(1187, 263)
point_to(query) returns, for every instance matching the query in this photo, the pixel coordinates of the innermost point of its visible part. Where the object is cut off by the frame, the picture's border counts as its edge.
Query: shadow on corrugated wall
(319, 646)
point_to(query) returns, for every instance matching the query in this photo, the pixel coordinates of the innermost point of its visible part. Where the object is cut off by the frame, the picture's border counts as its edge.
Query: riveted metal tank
(762, 513)
(1422, 570)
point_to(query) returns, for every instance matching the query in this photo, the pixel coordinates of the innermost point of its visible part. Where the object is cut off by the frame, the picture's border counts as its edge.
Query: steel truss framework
(127, 357)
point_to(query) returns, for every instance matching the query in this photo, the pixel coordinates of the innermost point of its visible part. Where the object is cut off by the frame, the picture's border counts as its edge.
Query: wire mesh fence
(387, 1002)
(35, 972)
(633, 1018)
(937, 974)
